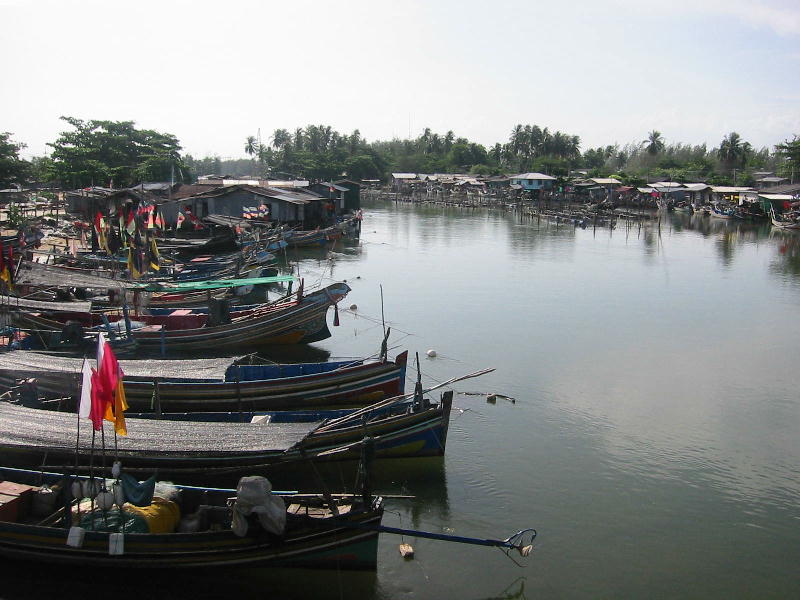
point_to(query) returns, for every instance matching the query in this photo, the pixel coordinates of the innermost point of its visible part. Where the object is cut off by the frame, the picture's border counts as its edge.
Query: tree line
(117, 153)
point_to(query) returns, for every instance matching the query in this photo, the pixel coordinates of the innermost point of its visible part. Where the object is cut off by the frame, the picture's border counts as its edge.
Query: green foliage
(43, 169)
(789, 152)
(14, 216)
(13, 169)
(97, 152)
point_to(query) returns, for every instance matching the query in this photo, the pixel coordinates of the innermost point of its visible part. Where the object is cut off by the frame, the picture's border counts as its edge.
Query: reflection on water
(787, 256)
(656, 415)
(32, 581)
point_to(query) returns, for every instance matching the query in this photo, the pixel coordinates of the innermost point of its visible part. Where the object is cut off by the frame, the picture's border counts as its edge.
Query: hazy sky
(213, 73)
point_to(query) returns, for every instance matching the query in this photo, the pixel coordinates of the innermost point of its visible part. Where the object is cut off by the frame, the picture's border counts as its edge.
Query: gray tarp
(36, 305)
(31, 429)
(195, 369)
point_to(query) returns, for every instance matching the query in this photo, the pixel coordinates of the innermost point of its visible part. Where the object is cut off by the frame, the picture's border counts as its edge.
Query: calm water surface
(655, 438)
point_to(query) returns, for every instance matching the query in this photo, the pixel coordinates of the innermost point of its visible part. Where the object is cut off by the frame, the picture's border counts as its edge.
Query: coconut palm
(655, 142)
(733, 152)
(280, 138)
(251, 145)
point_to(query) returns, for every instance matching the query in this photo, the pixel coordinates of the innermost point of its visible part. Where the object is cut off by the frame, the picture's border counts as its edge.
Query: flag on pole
(100, 226)
(120, 406)
(100, 389)
(154, 255)
(4, 274)
(130, 225)
(85, 406)
(107, 392)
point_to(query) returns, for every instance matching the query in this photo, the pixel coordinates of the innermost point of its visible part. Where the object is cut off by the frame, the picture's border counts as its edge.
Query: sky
(213, 73)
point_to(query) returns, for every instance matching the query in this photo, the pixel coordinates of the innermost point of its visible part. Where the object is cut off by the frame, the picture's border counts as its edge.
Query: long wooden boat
(291, 322)
(318, 237)
(31, 437)
(784, 223)
(400, 430)
(336, 532)
(214, 386)
(723, 213)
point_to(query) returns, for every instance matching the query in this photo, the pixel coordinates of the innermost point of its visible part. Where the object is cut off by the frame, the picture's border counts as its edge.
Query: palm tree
(280, 138)
(655, 142)
(299, 138)
(733, 151)
(516, 139)
(251, 145)
(448, 140)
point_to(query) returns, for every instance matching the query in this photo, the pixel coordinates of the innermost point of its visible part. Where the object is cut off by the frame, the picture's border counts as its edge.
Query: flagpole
(78, 438)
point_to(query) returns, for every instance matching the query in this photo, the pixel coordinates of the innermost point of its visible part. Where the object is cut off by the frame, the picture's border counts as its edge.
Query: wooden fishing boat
(400, 429)
(289, 322)
(224, 238)
(721, 212)
(215, 385)
(784, 221)
(318, 237)
(180, 448)
(321, 531)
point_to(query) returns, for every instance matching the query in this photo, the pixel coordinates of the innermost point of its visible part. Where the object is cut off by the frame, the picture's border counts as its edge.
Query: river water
(654, 437)
(654, 441)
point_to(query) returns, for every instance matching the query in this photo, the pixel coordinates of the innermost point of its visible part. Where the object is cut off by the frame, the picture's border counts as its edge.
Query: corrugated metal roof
(540, 176)
(404, 175)
(606, 181)
(696, 187)
(338, 188)
(667, 184)
(264, 192)
(788, 197)
(725, 189)
(292, 183)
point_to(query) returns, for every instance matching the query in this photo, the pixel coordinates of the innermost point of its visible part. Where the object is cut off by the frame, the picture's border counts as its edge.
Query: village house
(534, 183)
(352, 194)
(294, 207)
(332, 192)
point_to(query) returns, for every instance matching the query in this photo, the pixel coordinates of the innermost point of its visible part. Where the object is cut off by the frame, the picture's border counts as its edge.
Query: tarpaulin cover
(33, 431)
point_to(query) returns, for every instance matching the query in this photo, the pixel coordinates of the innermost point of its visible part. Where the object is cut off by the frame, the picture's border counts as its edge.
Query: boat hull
(342, 542)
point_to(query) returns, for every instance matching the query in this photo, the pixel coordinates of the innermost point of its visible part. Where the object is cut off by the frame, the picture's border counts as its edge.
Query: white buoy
(116, 544)
(75, 536)
(353, 307)
(431, 353)
(105, 500)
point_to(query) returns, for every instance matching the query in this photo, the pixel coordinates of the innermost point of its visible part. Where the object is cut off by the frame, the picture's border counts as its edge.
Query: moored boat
(723, 212)
(213, 385)
(193, 528)
(790, 221)
(296, 321)
(178, 448)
